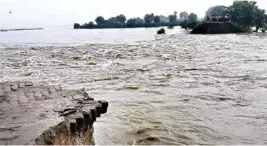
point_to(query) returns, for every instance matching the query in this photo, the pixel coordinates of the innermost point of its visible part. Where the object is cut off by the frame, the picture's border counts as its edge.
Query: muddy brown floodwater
(176, 89)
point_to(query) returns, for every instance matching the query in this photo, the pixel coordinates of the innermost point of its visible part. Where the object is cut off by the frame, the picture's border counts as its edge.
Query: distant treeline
(244, 14)
(149, 20)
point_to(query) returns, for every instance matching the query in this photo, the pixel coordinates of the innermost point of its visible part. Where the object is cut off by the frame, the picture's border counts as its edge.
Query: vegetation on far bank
(149, 20)
(243, 14)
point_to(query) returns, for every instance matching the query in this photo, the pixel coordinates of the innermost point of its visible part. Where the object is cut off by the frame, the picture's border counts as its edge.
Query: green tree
(112, 20)
(139, 21)
(156, 19)
(173, 18)
(100, 20)
(247, 14)
(91, 24)
(121, 19)
(149, 18)
(264, 28)
(76, 26)
(192, 24)
(175, 13)
(260, 19)
(192, 17)
(131, 22)
(244, 13)
(183, 16)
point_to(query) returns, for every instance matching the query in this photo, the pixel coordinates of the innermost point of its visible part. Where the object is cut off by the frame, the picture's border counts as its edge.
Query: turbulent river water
(173, 89)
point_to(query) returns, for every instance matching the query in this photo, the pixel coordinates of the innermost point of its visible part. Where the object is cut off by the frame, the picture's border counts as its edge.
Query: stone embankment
(46, 114)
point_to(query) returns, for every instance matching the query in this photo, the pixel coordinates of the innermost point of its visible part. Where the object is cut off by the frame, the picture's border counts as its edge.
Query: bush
(161, 31)
(189, 24)
(76, 26)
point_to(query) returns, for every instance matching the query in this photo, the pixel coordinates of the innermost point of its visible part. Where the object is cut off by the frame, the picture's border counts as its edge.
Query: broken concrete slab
(47, 114)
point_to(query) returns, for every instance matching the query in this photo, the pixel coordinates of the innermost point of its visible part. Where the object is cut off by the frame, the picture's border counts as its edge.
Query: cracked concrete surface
(46, 114)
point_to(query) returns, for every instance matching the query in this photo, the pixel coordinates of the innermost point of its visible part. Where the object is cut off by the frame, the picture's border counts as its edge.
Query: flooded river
(172, 89)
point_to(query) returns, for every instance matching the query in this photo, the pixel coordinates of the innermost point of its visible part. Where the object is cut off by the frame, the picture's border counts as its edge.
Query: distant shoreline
(125, 26)
(21, 29)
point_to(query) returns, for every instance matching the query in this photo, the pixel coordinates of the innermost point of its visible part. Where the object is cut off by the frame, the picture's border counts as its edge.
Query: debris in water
(119, 56)
(224, 99)
(161, 31)
(76, 58)
(106, 79)
(186, 100)
(191, 69)
(142, 70)
(132, 87)
(28, 74)
(91, 63)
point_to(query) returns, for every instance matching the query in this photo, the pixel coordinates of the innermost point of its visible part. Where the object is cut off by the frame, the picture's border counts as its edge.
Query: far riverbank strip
(21, 29)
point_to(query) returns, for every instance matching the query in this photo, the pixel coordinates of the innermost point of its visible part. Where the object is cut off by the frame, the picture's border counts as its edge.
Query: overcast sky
(53, 13)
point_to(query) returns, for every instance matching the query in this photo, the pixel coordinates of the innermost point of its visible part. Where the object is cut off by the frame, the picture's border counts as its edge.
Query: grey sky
(47, 13)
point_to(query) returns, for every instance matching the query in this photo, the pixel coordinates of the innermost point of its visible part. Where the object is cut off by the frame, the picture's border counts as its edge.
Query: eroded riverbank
(176, 89)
